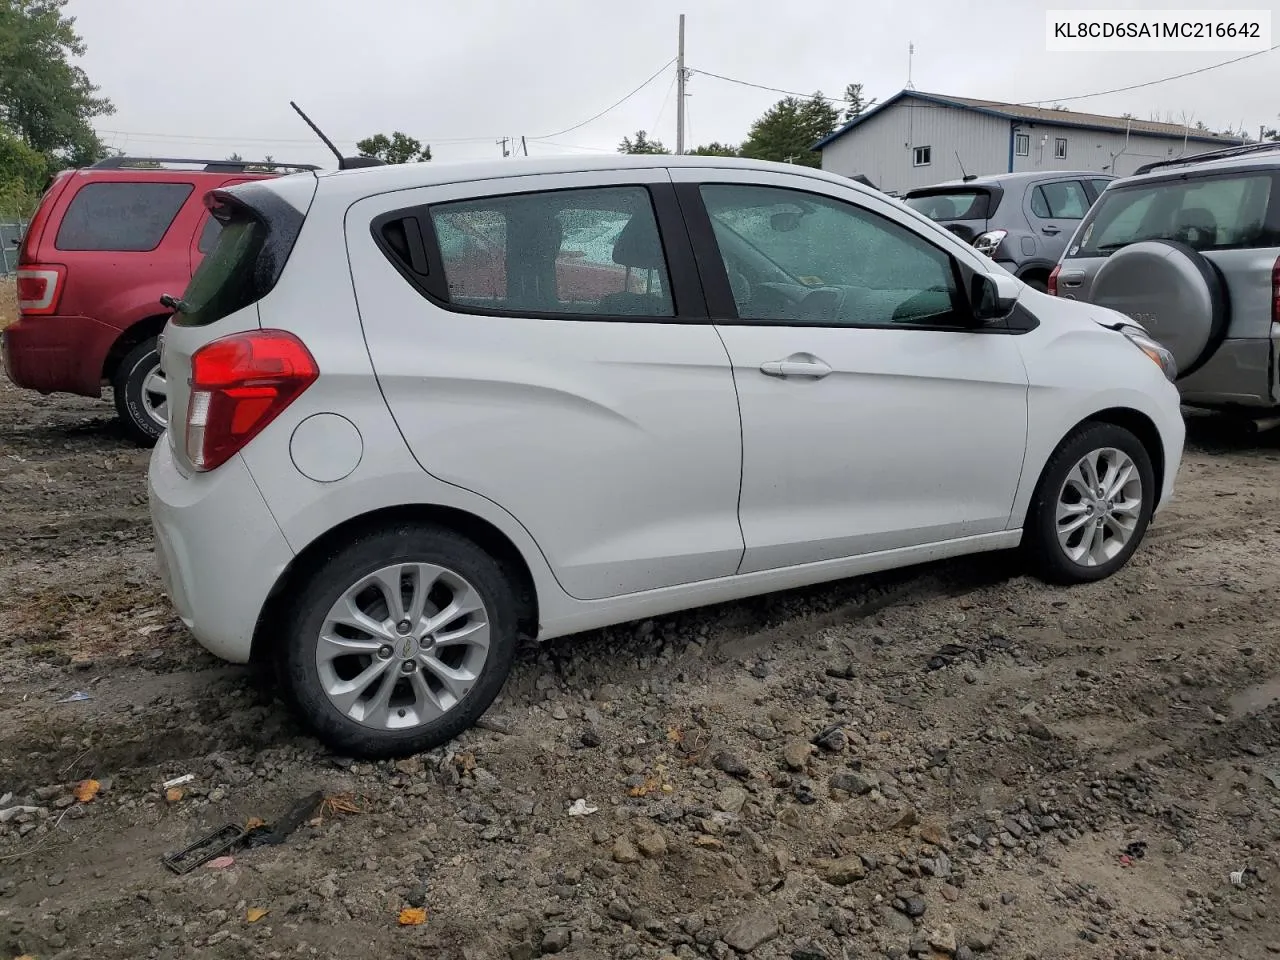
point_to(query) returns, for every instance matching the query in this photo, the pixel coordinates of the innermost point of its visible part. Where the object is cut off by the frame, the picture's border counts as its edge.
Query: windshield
(1218, 213)
(955, 205)
(224, 282)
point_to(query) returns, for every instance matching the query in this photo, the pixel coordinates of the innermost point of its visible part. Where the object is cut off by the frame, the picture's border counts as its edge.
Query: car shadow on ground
(1217, 433)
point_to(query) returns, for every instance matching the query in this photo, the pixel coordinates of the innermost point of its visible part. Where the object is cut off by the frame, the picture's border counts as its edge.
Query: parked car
(105, 243)
(1190, 248)
(382, 467)
(1020, 220)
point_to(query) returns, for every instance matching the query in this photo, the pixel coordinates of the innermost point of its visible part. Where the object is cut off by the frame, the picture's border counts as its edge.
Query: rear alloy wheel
(1092, 505)
(141, 394)
(400, 642)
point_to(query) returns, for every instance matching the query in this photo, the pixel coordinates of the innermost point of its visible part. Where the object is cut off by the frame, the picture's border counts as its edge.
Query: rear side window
(1099, 185)
(586, 251)
(121, 216)
(1220, 213)
(958, 205)
(1066, 200)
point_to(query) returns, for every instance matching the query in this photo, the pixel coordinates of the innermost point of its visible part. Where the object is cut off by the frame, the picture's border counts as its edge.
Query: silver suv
(1190, 249)
(1020, 220)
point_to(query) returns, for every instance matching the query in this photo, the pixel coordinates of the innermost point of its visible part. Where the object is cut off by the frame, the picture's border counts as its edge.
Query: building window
(1022, 144)
(1060, 149)
(922, 157)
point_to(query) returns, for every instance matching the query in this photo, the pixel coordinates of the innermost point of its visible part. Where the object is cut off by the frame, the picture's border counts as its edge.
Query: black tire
(139, 425)
(1040, 531)
(1037, 282)
(343, 568)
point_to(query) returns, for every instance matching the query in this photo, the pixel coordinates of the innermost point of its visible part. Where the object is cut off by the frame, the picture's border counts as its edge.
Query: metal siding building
(980, 137)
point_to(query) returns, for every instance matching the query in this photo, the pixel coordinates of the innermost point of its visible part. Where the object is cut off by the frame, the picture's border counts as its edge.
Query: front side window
(1212, 213)
(585, 251)
(809, 259)
(1065, 200)
(126, 217)
(1022, 144)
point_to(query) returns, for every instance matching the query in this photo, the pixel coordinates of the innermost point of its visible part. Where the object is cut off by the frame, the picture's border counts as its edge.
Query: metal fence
(10, 234)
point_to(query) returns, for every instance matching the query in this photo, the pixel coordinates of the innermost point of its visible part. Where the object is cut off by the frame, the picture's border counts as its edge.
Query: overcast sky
(191, 77)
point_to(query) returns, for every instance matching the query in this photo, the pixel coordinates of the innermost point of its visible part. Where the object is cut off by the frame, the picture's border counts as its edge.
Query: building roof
(1027, 114)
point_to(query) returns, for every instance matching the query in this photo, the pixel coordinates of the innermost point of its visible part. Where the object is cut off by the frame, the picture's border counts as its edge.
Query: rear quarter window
(1205, 213)
(957, 205)
(121, 216)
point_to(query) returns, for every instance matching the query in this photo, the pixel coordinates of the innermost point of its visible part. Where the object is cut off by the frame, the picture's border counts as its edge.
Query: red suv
(106, 242)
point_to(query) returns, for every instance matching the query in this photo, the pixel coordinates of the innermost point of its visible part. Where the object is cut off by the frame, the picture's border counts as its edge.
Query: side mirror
(992, 295)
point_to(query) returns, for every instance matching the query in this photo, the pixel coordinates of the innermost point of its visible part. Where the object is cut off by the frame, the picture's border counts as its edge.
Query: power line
(1151, 83)
(760, 86)
(559, 133)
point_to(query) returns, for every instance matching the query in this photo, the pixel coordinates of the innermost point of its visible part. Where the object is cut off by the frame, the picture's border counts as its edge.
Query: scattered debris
(262, 835)
(1237, 878)
(946, 655)
(254, 914)
(339, 803)
(76, 697)
(11, 812)
(173, 795)
(580, 808)
(208, 847)
(86, 790)
(178, 781)
(495, 725)
(413, 917)
(220, 863)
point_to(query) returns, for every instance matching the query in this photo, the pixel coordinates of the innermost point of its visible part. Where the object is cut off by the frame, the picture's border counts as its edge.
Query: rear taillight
(39, 287)
(1052, 287)
(1275, 292)
(987, 243)
(239, 384)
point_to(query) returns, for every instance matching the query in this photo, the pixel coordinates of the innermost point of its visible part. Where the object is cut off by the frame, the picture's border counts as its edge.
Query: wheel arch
(129, 338)
(480, 531)
(1137, 423)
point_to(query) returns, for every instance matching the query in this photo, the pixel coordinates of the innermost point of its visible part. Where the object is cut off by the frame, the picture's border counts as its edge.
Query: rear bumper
(218, 549)
(1241, 373)
(58, 354)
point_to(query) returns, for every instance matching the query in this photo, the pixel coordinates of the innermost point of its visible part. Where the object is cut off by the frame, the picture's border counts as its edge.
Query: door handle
(1050, 230)
(812, 367)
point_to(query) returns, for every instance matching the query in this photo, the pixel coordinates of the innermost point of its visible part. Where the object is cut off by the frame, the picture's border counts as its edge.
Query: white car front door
(875, 415)
(542, 341)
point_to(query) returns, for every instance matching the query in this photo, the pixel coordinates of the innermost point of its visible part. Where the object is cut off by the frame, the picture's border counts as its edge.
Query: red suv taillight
(1275, 292)
(39, 287)
(1053, 281)
(239, 384)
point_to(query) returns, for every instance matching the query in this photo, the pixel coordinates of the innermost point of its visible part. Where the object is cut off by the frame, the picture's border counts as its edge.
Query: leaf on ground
(413, 917)
(220, 863)
(339, 803)
(675, 735)
(86, 790)
(253, 823)
(255, 914)
(173, 795)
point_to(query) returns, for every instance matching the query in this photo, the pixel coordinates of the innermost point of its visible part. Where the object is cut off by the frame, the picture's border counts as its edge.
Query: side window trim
(723, 307)
(688, 300)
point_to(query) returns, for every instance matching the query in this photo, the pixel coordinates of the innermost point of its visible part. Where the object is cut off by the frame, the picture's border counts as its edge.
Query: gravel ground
(952, 761)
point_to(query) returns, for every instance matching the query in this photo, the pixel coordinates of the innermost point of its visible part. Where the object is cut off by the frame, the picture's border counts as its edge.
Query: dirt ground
(949, 761)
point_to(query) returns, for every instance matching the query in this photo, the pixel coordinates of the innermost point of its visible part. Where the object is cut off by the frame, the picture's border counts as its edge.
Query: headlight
(1158, 354)
(986, 243)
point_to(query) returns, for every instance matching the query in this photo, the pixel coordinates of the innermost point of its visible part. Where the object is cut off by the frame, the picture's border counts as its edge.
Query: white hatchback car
(417, 411)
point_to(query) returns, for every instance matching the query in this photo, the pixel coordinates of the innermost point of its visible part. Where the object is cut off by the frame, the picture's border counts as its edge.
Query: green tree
(44, 98)
(716, 149)
(641, 144)
(788, 130)
(236, 158)
(858, 104)
(23, 172)
(1272, 134)
(398, 148)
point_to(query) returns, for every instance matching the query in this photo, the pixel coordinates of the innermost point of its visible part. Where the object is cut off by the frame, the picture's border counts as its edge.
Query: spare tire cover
(1174, 292)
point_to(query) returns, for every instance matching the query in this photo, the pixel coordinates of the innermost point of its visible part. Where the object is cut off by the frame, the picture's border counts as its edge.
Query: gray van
(1190, 249)
(1020, 220)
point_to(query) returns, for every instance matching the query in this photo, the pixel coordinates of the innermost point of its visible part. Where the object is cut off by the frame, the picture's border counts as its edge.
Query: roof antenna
(964, 177)
(911, 56)
(344, 163)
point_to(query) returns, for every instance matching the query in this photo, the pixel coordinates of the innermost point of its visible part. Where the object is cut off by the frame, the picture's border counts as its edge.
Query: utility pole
(680, 90)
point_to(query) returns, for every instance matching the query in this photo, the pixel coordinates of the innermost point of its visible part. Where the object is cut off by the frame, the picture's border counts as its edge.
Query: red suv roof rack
(210, 166)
